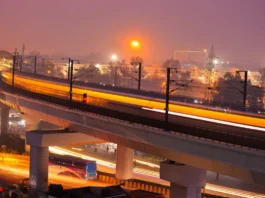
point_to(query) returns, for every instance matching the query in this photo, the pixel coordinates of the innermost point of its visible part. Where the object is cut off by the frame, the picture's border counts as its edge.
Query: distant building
(189, 57)
(6, 59)
(6, 55)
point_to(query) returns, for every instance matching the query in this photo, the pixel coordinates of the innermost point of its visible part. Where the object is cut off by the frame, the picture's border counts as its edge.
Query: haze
(76, 27)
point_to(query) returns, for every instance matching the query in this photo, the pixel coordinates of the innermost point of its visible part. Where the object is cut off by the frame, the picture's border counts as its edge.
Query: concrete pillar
(185, 181)
(184, 192)
(4, 120)
(124, 163)
(39, 159)
(29, 127)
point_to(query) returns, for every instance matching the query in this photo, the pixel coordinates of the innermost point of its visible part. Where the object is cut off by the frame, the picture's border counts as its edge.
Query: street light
(69, 66)
(215, 61)
(98, 66)
(114, 57)
(135, 43)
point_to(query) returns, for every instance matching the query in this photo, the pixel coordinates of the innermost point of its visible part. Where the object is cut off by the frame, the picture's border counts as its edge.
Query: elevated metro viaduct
(192, 156)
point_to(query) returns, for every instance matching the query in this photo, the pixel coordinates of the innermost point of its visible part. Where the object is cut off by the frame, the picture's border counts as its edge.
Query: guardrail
(134, 184)
(201, 133)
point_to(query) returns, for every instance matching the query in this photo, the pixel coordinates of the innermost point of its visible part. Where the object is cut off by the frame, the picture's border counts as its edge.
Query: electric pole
(69, 68)
(167, 95)
(168, 91)
(115, 76)
(139, 75)
(35, 64)
(71, 78)
(13, 69)
(244, 88)
(138, 61)
(22, 56)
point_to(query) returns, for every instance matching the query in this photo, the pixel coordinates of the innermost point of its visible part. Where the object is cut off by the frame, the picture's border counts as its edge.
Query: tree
(88, 73)
(230, 93)
(262, 76)
(255, 98)
(171, 63)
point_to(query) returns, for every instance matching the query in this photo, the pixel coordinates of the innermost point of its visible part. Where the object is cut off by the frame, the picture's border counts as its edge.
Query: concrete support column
(29, 127)
(185, 181)
(178, 191)
(124, 163)
(39, 159)
(4, 120)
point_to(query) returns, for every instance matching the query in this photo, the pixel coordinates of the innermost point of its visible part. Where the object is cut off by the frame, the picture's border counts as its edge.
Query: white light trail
(208, 119)
(155, 174)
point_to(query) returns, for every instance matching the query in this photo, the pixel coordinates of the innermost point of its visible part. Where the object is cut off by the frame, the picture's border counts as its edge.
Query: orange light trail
(70, 183)
(62, 90)
(155, 174)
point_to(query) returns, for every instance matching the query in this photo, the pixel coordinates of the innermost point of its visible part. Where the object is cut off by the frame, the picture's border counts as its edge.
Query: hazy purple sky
(235, 27)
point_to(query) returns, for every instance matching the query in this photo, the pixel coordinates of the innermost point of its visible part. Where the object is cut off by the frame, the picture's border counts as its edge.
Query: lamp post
(69, 67)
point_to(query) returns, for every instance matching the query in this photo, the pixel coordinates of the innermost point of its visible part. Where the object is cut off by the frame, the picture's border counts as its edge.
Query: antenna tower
(209, 74)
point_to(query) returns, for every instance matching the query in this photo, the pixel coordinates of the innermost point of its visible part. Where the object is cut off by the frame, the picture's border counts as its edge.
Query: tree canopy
(229, 93)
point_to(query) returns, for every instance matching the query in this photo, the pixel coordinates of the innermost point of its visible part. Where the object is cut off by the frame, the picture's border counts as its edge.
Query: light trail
(208, 119)
(61, 90)
(23, 171)
(154, 174)
(234, 192)
(62, 151)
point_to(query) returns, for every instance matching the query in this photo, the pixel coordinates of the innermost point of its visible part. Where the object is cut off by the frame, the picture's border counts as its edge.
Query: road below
(13, 173)
(224, 186)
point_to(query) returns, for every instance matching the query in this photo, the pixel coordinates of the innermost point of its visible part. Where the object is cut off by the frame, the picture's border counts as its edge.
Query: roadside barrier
(133, 183)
